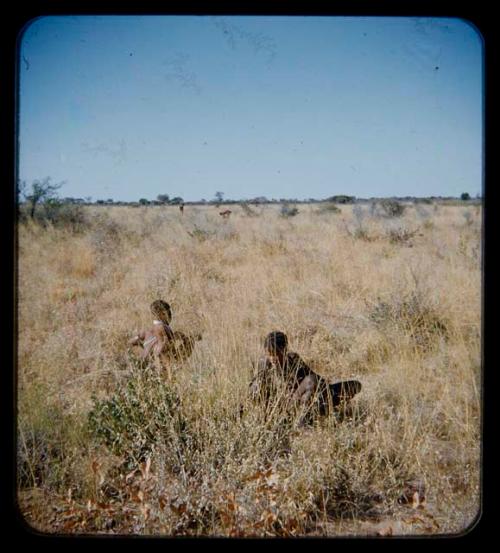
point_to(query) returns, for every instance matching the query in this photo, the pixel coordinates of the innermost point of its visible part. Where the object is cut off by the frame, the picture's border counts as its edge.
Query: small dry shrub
(201, 234)
(328, 208)
(247, 210)
(401, 235)
(288, 211)
(414, 317)
(391, 208)
(47, 442)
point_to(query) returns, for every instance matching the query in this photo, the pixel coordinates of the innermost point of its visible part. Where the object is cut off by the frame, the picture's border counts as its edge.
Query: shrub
(426, 201)
(46, 443)
(288, 211)
(360, 231)
(64, 215)
(414, 317)
(38, 452)
(467, 215)
(247, 210)
(58, 214)
(201, 234)
(422, 212)
(142, 414)
(401, 236)
(329, 208)
(342, 199)
(391, 208)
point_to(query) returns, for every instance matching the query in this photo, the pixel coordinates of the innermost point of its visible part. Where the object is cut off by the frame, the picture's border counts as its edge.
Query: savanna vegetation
(388, 295)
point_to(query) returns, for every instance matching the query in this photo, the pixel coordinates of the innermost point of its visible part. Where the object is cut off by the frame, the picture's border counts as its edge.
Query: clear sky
(285, 107)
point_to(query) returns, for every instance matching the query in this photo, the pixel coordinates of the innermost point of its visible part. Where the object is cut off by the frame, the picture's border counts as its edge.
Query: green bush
(60, 214)
(142, 414)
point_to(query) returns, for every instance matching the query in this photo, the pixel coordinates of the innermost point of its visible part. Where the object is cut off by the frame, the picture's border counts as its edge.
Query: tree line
(44, 192)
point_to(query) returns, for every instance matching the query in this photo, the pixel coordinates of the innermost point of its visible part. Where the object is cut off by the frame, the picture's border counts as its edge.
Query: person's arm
(148, 346)
(306, 389)
(137, 339)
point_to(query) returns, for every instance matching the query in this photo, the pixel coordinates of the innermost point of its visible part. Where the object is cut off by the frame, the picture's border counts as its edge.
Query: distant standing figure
(161, 342)
(225, 214)
(305, 388)
(181, 207)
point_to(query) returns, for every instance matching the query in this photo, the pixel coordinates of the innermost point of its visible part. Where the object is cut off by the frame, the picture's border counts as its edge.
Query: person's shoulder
(296, 361)
(294, 358)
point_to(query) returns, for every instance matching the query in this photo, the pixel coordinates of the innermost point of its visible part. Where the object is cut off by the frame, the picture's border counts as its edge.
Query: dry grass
(359, 295)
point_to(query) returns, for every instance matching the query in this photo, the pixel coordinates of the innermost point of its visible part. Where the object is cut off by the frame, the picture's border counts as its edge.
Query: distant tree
(219, 197)
(259, 200)
(465, 196)
(163, 198)
(143, 201)
(176, 201)
(342, 199)
(41, 191)
(100, 202)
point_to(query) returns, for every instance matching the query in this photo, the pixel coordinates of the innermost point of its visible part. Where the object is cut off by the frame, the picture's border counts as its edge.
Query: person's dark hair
(276, 341)
(161, 310)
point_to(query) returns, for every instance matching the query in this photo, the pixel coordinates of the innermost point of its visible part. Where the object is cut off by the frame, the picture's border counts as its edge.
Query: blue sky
(284, 107)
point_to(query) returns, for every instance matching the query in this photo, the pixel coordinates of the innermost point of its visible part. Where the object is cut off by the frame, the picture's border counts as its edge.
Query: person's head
(276, 345)
(161, 311)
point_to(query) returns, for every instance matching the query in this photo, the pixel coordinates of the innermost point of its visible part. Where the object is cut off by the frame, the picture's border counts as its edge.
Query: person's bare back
(160, 342)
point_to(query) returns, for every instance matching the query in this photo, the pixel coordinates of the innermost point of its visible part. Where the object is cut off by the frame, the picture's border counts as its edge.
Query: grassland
(107, 447)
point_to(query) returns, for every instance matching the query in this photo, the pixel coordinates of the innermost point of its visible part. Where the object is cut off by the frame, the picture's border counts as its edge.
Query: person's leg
(344, 391)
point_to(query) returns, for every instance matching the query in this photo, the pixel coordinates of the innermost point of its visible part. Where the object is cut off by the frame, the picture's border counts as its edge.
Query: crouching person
(160, 342)
(301, 387)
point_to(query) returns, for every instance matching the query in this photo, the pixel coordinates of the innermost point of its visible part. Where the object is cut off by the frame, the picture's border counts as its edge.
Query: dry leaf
(145, 468)
(178, 509)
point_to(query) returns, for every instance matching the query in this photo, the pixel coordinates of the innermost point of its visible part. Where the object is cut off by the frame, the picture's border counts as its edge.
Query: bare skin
(153, 341)
(162, 343)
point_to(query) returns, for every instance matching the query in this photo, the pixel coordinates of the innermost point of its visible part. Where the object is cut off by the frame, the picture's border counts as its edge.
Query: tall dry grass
(107, 446)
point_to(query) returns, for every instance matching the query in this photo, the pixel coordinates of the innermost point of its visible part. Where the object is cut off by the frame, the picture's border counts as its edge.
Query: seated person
(303, 387)
(161, 341)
